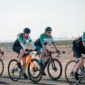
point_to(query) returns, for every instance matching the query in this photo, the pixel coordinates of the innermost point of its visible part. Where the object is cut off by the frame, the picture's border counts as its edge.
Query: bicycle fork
(53, 65)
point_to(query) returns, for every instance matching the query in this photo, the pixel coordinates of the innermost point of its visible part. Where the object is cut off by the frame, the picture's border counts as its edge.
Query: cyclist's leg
(21, 54)
(21, 51)
(18, 49)
(40, 49)
(81, 60)
(78, 52)
(40, 60)
(24, 62)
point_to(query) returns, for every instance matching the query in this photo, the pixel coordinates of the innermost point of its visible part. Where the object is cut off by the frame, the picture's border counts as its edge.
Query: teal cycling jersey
(20, 41)
(78, 41)
(83, 36)
(43, 39)
(20, 38)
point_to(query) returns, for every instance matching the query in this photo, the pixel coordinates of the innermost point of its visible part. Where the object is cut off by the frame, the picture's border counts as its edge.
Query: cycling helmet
(27, 30)
(48, 29)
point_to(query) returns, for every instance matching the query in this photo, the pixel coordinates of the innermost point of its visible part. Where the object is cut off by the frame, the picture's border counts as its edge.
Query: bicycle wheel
(13, 70)
(35, 73)
(70, 75)
(83, 78)
(1, 67)
(54, 69)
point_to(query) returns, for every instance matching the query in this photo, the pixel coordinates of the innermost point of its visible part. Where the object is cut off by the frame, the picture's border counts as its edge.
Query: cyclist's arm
(54, 45)
(21, 42)
(52, 40)
(31, 43)
(83, 39)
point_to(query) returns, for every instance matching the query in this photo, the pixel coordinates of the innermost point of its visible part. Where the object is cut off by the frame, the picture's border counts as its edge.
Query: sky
(66, 17)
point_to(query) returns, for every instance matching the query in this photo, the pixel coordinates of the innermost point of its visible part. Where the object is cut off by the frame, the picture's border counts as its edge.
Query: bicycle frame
(49, 58)
(29, 60)
(75, 66)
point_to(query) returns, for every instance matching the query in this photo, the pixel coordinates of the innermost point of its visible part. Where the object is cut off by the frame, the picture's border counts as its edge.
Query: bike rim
(54, 69)
(14, 71)
(1, 67)
(70, 75)
(34, 70)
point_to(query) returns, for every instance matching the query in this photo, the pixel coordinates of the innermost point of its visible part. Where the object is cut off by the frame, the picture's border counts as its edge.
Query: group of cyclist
(40, 46)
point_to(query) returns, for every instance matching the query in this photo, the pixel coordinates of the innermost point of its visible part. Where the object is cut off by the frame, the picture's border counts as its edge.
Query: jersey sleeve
(31, 43)
(20, 38)
(42, 39)
(29, 38)
(52, 40)
(83, 36)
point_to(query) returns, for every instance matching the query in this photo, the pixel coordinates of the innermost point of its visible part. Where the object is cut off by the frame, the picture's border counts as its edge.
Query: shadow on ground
(4, 83)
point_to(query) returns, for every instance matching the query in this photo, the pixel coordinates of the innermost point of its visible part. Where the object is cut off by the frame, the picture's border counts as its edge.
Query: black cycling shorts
(17, 48)
(78, 51)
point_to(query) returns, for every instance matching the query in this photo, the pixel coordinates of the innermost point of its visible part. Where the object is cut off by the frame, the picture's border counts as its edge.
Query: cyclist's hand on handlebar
(27, 50)
(37, 50)
(47, 50)
(58, 51)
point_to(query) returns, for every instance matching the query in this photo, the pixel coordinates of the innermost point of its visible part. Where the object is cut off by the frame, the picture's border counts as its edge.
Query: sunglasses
(27, 33)
(49, 32)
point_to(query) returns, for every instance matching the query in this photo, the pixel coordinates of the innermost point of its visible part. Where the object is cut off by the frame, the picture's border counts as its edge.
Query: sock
(40, 60)
(77, 70)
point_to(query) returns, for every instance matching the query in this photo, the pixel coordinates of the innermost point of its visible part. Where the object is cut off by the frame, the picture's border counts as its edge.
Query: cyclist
(20, 48)
(78, 48)
(42, 42)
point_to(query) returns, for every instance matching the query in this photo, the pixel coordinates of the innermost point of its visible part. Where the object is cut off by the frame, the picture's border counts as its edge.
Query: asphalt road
(5, 80)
